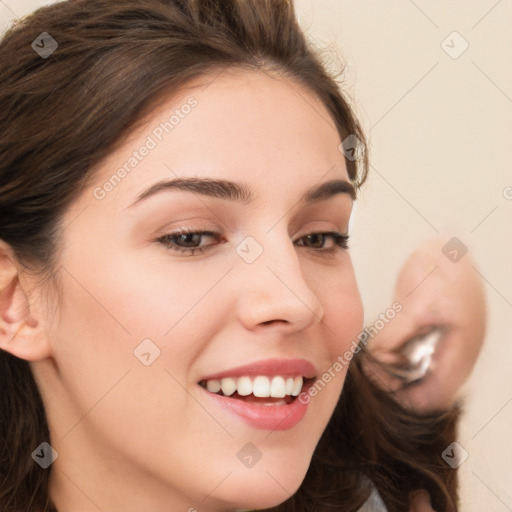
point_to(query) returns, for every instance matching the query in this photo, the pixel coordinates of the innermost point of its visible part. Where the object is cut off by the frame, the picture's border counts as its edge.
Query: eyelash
(169, 241)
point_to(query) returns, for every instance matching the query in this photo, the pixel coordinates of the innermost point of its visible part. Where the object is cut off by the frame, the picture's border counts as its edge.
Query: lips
(263, 394)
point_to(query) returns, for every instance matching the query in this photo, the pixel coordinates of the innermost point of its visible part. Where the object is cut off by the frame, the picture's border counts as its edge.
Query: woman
(174, 271)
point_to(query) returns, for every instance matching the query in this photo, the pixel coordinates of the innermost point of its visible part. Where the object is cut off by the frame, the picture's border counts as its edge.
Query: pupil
(318, 238)
(188, 239)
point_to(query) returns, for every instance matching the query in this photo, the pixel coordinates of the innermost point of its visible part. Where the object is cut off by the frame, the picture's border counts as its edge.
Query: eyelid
(339, 239)
(188, 250)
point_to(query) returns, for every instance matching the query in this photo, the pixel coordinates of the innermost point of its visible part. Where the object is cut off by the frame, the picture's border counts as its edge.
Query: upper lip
(269, 368)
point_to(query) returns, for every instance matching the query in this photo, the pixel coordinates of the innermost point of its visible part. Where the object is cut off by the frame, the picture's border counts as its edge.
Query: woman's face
(152, 322)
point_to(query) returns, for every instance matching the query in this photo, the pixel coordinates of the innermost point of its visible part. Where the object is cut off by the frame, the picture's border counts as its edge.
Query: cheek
(139, 297)
(107, 314)
(101, 322)
(342, 325)
(115, 316)
(343, 310)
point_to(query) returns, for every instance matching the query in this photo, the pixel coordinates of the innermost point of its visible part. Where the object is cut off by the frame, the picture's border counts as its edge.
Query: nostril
(266, 322)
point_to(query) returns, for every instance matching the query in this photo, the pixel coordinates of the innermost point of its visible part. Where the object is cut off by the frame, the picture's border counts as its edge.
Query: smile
(260, 386)
(263, 394)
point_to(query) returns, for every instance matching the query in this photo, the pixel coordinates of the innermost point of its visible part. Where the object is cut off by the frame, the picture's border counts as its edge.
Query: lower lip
(264, 417)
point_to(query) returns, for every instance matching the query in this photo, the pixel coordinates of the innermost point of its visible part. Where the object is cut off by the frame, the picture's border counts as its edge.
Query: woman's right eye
(188, 242)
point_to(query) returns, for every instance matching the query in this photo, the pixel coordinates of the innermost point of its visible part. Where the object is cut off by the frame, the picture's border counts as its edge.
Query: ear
(21, 320)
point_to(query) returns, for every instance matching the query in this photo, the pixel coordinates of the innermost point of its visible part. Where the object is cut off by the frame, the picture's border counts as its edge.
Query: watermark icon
(45, 455)
(454, 249)
(151, 142)
(44, 45)
(455, 455)
(352, 148)
(249, 455)
(454, 45)
(343, 360)
(146, 352)
(507, 193)
(249, 250)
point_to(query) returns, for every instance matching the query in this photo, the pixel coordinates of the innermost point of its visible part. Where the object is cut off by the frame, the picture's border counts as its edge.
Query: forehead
(260, 128)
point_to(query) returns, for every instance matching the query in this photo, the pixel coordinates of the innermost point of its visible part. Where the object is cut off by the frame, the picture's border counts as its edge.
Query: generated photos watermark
(343, 360)
(152, 141)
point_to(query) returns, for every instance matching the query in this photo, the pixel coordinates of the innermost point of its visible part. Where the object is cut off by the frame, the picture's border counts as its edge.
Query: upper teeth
(260, 386)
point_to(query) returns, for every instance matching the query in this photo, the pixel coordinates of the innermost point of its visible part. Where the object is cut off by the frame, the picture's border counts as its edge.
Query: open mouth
(259, 390)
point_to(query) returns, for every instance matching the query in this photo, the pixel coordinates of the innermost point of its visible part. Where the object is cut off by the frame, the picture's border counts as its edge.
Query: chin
(264, 488)
(261, 497)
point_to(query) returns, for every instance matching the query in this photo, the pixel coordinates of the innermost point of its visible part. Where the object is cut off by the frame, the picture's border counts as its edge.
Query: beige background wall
(441, 138)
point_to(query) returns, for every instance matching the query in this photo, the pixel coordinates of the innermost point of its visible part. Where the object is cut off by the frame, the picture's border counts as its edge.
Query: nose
(272, 290)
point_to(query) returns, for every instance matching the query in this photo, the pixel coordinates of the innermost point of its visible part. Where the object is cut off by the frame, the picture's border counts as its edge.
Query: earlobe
(21, 324)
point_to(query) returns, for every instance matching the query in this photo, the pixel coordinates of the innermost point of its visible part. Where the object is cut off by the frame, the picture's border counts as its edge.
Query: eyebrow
(234, 191)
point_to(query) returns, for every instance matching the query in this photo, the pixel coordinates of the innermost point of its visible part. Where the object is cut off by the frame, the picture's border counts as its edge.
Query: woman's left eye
(189, 242)
(317, 241)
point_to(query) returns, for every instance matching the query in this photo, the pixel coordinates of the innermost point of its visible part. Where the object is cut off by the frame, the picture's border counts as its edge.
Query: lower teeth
(261, 400)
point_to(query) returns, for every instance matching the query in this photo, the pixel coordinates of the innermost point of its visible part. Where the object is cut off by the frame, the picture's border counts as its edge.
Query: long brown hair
(61, 115)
